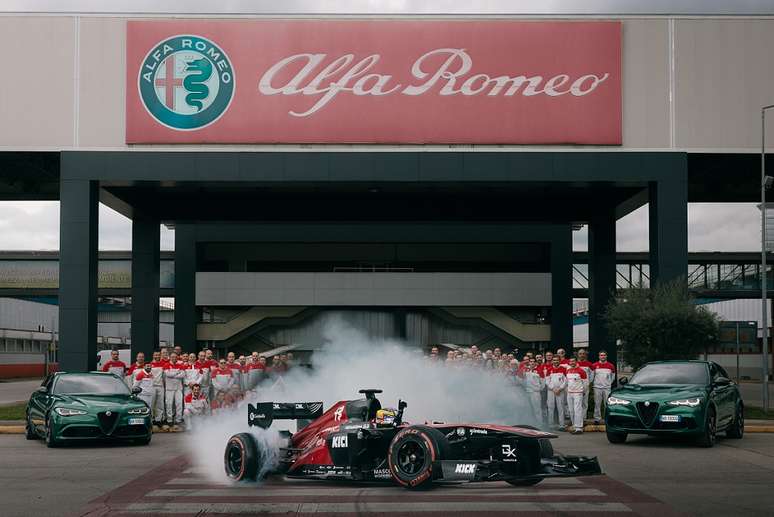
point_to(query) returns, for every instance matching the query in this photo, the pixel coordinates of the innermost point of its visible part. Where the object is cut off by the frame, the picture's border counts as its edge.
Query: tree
(660, 323)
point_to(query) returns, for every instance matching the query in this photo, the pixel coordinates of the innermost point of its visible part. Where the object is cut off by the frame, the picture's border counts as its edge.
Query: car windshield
(90, 385)
(672, 373)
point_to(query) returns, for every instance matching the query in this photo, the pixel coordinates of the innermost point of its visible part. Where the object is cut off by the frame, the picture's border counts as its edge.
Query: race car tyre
(707, 438)
(29, 432)
(242, 457)
(524, 482)
(614, 437)
(411, 455)
(736, 428)
(51, 442)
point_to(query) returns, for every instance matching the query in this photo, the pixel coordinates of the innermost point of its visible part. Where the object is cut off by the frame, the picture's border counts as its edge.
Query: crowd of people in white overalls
(558, 387)
(179, 387)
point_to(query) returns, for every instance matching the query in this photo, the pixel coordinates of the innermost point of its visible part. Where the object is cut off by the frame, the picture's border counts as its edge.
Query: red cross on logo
(169, 82)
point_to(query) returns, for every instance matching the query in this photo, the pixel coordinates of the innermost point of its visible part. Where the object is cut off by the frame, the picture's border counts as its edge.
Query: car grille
(131, 430)
(647, 412)
(108, 422)
(80, 432)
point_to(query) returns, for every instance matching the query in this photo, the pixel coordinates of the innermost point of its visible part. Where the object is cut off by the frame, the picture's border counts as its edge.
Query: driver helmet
(386, 416)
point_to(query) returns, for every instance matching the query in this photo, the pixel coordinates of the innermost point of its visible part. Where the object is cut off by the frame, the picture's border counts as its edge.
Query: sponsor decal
(509, 452)
(299, 406)
(465, 468)
(186, 82)
(477, 431)
(339, 442)
(275, 406)
(337, 414)
(382, 474)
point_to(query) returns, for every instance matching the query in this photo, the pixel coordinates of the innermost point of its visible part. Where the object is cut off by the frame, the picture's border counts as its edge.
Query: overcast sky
(711, 227)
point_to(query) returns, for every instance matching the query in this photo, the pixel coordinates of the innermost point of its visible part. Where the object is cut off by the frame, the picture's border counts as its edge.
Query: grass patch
(756, 413)
(14, 412)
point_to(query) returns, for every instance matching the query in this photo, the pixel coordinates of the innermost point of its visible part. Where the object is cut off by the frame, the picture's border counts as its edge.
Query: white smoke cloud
(350, 361)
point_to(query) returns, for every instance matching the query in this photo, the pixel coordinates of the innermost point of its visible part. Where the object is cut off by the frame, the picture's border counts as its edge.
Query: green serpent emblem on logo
(186, 82)
(194, 82)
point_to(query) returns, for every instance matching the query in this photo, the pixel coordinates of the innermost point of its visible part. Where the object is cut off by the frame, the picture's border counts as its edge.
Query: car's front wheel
(708, 437)
(412, 453)
(736, 429)
(29, 430)
(242, 458)
(51, 440)
(614, 437)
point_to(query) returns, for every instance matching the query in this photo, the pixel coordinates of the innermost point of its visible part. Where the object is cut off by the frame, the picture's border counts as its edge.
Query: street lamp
(766, 182)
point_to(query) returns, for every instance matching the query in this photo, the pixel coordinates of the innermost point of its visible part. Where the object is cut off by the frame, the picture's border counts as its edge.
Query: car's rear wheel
(51, 440)
(614, 437)
(242, 458)
(708, 437)
(736, 428)
(412, 453)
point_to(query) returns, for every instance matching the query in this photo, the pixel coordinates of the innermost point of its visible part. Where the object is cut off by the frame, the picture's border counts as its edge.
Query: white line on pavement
(370, 492)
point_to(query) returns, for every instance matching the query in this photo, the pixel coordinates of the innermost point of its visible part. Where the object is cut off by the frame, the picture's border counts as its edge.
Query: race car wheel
(242, 458)
(546, 448)
(411, 455)
(707, 438)
(736, 428)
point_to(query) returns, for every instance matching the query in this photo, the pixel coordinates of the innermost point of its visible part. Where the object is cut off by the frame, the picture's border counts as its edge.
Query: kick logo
(186, 82)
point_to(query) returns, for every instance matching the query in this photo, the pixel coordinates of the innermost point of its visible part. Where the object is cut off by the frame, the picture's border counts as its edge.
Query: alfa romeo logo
(186, 82)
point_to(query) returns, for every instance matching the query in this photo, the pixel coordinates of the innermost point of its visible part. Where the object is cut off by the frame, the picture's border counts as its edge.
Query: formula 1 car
(357, 440)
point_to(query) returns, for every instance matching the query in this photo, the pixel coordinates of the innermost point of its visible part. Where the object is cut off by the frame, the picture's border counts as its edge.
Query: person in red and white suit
(142, 378)
(577, 383)
(236, 370)
(556, 382)
(204, 366)
(534, 383)
(174, 375)
(543, 368)
(115, 366)
(604, 376)
(588, 367)
(196, 404)
(193, 375)
(138, 365)
(222, 379)
(158, 365)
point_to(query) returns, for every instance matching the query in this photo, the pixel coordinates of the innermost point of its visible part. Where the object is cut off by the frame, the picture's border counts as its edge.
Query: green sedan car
(71, 407)
(693, 398)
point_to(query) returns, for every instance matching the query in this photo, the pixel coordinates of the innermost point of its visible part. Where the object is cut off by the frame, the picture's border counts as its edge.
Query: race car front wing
(495, 470)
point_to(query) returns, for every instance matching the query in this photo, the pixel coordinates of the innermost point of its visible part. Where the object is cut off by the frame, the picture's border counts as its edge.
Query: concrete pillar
(78, 239)
(561, 289)
(602, 273)
(145, 284)
(668, 212)
(186, 317)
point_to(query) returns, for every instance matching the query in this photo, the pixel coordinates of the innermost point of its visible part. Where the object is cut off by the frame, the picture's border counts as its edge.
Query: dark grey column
(561, 289)
(185, 287)
(78, 238)
(145, 284)
(602, 272)
(668, 209)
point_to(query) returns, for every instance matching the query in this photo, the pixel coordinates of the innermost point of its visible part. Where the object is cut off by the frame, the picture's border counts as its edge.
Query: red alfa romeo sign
(386, 82)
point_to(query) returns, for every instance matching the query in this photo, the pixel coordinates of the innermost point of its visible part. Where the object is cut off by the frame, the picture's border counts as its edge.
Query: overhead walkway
(522, 332)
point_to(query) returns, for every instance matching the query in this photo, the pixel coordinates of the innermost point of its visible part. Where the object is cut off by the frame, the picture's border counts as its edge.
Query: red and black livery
(346, 442)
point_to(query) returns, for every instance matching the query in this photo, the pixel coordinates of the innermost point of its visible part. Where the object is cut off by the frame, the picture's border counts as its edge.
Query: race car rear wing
(263, 414)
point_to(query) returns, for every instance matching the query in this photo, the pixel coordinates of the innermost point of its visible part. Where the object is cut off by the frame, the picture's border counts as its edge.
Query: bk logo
(186, 82)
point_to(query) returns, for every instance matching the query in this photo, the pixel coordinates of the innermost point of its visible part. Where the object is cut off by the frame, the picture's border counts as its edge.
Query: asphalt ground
(645, 476)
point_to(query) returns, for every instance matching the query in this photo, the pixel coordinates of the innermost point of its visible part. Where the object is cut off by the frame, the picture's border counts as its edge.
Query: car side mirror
(42, 389)
(623, 381)
(137, 390)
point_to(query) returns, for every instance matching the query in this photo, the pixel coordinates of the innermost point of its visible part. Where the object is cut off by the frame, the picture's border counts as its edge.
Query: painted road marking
(257, 491)
(361, 507)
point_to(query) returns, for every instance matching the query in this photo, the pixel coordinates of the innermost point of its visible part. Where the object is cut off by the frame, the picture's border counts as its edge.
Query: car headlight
(685, 402)
(139, 411)
(615, 401)
(64, 411)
